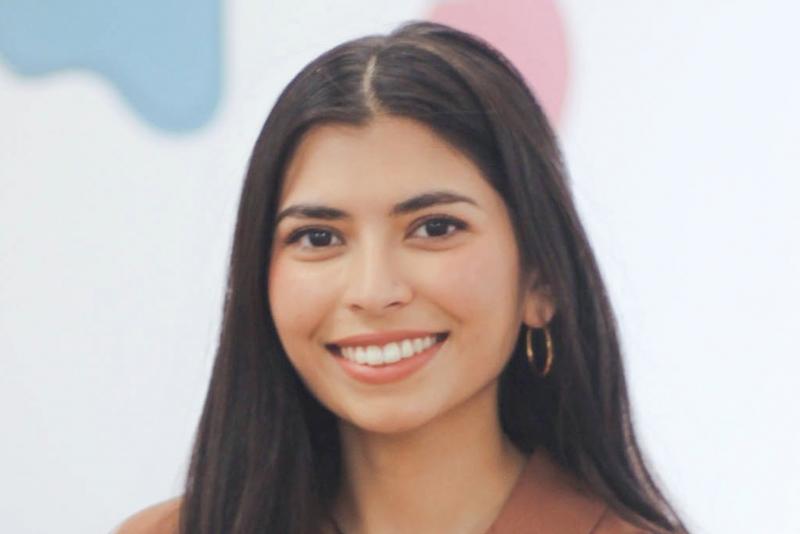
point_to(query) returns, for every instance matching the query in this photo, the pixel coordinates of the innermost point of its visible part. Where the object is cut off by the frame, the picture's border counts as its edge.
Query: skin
(425, 454)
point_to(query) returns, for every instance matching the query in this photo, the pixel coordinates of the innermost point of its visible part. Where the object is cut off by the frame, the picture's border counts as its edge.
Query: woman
(416, 336)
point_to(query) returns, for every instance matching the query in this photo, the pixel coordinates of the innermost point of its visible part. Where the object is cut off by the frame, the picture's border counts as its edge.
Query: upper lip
(382, 338)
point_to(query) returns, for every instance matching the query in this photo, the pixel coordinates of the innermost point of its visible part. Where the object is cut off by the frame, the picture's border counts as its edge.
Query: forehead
(388, 159)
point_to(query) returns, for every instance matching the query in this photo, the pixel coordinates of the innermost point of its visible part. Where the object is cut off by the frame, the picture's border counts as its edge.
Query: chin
(389, 420)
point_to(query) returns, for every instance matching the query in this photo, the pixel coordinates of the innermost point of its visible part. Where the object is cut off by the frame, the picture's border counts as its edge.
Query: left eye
(438, 227)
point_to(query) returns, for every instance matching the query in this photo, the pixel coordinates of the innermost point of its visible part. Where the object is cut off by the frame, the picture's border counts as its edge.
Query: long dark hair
(266, 454)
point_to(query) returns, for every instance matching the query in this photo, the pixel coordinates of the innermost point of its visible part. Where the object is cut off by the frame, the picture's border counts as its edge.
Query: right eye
(310, 238)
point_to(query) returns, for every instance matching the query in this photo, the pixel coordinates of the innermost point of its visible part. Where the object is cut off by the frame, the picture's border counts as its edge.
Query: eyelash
(458, 224)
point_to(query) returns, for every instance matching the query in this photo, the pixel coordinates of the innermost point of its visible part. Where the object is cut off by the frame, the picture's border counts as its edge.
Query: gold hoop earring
(548, 363)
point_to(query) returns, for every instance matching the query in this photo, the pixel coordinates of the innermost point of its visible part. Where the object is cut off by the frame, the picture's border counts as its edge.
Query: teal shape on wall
(164, 56)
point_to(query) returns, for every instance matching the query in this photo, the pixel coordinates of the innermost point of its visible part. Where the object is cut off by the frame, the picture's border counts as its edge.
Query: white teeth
(374, 355)
(389, 353)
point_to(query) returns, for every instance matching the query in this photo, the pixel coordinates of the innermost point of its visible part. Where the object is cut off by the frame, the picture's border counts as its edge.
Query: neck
(452, 474)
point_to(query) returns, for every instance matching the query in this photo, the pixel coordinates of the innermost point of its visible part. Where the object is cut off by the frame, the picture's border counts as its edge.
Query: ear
(538, 305)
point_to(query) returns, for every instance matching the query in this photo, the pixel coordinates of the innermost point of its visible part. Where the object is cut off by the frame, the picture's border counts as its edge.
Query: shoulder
(611, 523)
(161, 518)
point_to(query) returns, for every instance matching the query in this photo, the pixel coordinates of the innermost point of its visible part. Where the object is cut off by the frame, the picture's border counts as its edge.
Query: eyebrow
(415, 203)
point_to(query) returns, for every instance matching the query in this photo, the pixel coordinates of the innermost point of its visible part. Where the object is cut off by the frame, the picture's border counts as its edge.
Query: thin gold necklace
(336, 526)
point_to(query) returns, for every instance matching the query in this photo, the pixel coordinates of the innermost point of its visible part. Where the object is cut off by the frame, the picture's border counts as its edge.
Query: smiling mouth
(380, 355)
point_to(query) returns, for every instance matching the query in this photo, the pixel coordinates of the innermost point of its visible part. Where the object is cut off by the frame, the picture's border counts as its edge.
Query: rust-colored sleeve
(611, 523)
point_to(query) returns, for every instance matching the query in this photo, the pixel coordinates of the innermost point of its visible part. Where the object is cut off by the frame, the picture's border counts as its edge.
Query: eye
(313, 238)
(438, 226)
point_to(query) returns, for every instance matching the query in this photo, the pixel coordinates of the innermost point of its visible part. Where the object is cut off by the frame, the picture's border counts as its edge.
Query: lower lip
(391, 372)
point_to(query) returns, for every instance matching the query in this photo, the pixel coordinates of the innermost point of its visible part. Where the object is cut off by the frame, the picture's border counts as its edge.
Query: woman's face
(390, 234)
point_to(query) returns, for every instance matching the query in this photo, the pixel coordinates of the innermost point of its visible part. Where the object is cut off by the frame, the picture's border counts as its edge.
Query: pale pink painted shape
(529, 32)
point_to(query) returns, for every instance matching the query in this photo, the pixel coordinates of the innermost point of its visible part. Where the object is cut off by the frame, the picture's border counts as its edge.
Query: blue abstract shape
(163, 55)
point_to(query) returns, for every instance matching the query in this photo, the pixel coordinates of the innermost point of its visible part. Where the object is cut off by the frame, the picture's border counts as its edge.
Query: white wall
(681, 139)
(678, 128)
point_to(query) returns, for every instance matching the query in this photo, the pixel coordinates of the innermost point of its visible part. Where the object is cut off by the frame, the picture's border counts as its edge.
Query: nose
(375, 282)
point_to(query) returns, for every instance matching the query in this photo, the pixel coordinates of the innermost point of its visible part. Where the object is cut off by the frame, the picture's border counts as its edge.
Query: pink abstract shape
(529, 32)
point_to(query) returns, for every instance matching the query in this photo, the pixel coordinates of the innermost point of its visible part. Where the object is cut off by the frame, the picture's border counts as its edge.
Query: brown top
(544, 500)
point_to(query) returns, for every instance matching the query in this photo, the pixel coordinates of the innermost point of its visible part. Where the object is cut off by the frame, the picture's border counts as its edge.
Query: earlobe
(539, 307)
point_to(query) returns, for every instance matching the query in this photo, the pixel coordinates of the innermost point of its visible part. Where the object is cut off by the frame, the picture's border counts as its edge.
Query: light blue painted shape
(164, 56)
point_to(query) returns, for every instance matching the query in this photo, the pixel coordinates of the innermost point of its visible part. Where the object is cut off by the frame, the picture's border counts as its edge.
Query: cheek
(476, 280)
(296, 298)
(479, 287)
